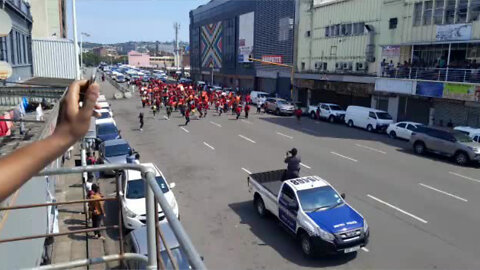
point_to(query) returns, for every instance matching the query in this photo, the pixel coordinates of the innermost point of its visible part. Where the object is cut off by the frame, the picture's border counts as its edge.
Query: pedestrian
(97, 210)
(187, 117)
(154, 109)
(247, 109)
(259, 107)
(169, 111)
(140, 117)
(293, 164)
(144, 100)
(238, 110)
(298, 114)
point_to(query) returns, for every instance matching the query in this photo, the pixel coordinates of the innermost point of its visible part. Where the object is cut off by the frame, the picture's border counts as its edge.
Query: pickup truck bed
(271, 180)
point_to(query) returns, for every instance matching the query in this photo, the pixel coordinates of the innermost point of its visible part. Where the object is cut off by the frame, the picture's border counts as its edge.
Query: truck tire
(350, 123)
(306, 245)
(369, 128)
(260, 206)
(461, 158)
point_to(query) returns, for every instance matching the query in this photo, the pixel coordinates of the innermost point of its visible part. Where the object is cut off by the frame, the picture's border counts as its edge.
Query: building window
(462, 11)
(283, 29)
(336, 30)
(13, 48)
(450, 11)
(307, 34)
(346, 29)
(303, 66)
(474, 10)
(327, 31)
(427, 13)
(3, 49)
(439, 10)
(358, 28)
(417, 13)
(392, 24)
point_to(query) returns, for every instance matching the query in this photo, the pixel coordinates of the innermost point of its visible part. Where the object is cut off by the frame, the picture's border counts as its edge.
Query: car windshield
(461, 137)
(104, 115)
(117, 150)
(262, 95)
(106, 129)
(179, 256)
(283, 102)
(319, 198)
(384, 116)
(136, 188)
(335, 108)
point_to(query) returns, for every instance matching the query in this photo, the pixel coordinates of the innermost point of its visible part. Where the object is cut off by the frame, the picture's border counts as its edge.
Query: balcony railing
(434, 74)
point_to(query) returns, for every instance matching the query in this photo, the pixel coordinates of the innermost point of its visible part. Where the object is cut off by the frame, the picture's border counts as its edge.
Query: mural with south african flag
(211, 45)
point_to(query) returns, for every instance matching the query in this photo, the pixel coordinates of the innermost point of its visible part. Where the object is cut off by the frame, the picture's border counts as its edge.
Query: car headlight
(325, 235)
(365, 226)
(130, 213)
(474, 149)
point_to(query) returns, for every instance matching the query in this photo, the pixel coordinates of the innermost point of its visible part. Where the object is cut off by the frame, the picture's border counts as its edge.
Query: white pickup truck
(312, 210)
(328, 111)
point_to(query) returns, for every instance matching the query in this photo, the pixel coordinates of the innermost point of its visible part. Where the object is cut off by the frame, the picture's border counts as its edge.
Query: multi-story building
(225, 34)
(162, 61)
(105, 51)
(16, 48)
(415, 59)
(49, 17)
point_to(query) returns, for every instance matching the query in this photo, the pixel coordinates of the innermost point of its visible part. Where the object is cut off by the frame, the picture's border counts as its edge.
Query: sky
(113, 21)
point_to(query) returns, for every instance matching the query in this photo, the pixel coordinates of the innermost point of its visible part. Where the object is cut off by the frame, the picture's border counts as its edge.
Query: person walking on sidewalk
(140, 118)
(97, 210)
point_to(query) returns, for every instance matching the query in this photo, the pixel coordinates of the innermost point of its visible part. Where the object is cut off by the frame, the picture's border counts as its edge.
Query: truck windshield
(384, 116)
(320, 198)
(335, 108)
(461, 137)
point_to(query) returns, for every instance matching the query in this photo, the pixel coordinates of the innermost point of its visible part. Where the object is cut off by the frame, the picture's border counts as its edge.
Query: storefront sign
(5, 23)
(5, 70)
(406, 87)
(454, 32)
(429, 89)
(278, 59)
(391, 51)
(465, 92)
(245, 37)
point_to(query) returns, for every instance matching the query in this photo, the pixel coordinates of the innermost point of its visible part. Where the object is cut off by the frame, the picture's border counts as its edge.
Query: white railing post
(151, 218)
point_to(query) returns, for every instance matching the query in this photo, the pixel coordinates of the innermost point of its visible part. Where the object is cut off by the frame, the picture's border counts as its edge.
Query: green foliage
(92, 60)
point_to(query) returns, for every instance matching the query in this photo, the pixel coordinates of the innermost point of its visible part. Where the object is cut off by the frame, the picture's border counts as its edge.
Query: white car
(473, 133)
(101, 98)
(99, 121)
(402, 130)
(133, 197)
(328, 111)
(103, 105)
(105, 113)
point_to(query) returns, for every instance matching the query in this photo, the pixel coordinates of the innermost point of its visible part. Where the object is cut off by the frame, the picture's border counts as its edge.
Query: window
(417, 13)
(427, 13)
(392, 24)
(12, 46)
(438, 13)
(474, 10)
(336, 30)
(3, 49)
(462, 11)
(283, 29)
(402, 125)
(346, 29)
(476, 138)
(358, 28)
(287, 193)
(412, 127)
(307, 34)
(303, 65)
(325, 107)
(450, 11)
(327, 31)
(372, 115)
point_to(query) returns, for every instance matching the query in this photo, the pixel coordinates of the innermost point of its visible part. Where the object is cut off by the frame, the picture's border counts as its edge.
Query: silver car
(114, 152)
(445, 142)
(279, 106)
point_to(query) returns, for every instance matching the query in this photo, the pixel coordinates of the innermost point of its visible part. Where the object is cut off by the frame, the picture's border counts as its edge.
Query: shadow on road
(272, 234)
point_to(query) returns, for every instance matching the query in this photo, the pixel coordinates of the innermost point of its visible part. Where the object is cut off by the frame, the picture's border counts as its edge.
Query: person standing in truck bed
(293, 167)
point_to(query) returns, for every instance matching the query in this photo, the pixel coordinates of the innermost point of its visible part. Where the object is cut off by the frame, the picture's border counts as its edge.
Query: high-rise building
(49, 18)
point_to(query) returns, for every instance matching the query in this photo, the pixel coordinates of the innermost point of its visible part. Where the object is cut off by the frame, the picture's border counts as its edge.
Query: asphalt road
(422, 211)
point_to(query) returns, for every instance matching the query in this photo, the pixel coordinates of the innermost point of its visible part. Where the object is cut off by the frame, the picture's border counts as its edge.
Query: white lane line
(342, 156)
(443, 192)
(216, 124)
(184, 129)
(208, 145)
(371, 148)
(246, 121)
(165, 117)
(465, 177)
(247, 171)
(396, 208)
(284, 135)
(248, 139)
(365, 249)
(306, 166)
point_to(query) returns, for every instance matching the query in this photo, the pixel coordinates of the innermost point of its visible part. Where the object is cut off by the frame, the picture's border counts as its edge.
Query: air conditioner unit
(361, 66)
(320, 66)
(345, 66)
(338, 65)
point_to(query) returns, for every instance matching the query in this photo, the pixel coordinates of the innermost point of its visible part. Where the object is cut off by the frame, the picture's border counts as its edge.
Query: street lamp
(81, 48)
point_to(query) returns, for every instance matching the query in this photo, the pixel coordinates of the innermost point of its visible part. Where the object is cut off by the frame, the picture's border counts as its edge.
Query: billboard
(245, 36)
(211, 45)
(465, 92)
(429, 89)
(454, 32)
(278, 59)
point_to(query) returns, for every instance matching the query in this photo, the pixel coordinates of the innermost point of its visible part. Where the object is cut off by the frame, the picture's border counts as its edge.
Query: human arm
(73, 123)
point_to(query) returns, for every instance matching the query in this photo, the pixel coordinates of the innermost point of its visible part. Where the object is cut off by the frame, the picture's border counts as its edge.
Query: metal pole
(81, 53)
(151, 218)
(120, 218)
(212, 75)
(104, 259)
(75, 39)
(448, 60)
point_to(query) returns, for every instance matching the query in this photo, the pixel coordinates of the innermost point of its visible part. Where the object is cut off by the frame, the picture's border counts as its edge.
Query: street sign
(5, 70)
(5, 23)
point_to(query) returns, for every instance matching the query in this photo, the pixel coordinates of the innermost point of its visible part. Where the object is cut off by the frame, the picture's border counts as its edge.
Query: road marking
(306, 166)
(247, 171)
(443, 192)
(465, 177)
(349, 158)
(165, 117)
(209, 146)
(248, 139)
(246, 121)
(398, 209)
(371, 148)
(184, 129)
(284, 135)
(216, 124)
(365, 249)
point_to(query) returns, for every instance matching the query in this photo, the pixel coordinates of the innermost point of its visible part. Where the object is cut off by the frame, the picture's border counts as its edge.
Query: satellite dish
(5, 70)
(5, 23)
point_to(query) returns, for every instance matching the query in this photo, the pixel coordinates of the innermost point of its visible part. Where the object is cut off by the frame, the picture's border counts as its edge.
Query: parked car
(107, 131)
(104, 114)
(101, 98)
(114, 152)
(120, 78)
(279, 106)
(402, 130)
(449, 143)
(184, 80)
(133, 196)
(103, 105)
(473, 133)
(328, 111)
(367, 118)
(136, 242)
(258, 97)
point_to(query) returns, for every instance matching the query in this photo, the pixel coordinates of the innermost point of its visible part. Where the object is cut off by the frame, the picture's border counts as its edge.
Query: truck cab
(312, 210)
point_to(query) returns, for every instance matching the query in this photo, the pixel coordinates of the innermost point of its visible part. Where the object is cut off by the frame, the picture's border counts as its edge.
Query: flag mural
(212, 45)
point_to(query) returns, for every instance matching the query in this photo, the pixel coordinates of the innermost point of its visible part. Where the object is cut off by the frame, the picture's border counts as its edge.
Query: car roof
(115, 142)
(134, 175)
(411, 123)
(104, 110)
(104, 121)
(329, 104)
(366, 108)
(140, 237)
(307, 182)
(467, 129)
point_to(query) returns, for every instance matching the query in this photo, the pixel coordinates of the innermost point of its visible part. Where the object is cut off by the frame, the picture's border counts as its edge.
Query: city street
(422, 211)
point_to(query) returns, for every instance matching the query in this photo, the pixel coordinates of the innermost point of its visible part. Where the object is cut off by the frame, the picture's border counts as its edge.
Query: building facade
(415, 59)
(16, 48)
(225, 34)
(49, 17)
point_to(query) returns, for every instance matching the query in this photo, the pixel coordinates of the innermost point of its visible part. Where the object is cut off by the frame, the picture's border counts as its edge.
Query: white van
(367, 118)
(258, 97)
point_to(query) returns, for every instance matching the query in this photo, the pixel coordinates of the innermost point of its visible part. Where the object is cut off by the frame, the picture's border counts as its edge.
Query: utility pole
(176, 27)
(75, 40)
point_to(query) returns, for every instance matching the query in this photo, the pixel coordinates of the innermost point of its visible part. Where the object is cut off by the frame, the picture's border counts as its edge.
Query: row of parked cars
(460, 143)
(112, 149)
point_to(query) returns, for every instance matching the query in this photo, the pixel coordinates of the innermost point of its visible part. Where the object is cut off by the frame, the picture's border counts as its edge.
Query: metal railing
(433, 74)
(153, 196)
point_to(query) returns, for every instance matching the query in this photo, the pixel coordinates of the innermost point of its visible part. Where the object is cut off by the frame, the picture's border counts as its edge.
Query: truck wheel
(350, 123)
(312, 115)
(331, 119)
(306, 245)
(260, 206)
(461, 158)
(369, 128)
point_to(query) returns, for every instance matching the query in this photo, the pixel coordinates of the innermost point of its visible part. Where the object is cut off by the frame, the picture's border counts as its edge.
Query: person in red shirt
(239, 111)
(187, 116)
(298, 114)
(247, 109)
